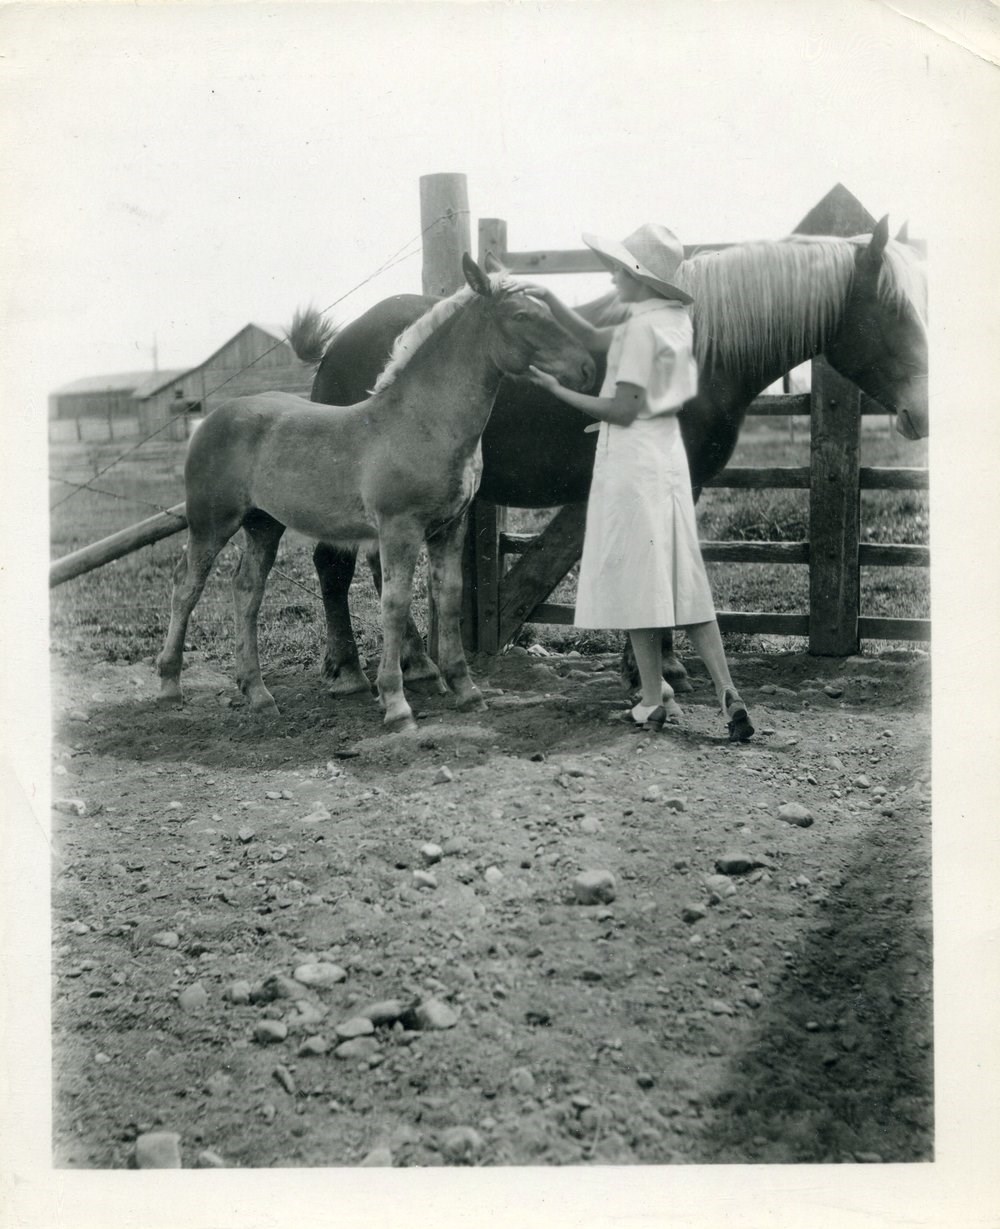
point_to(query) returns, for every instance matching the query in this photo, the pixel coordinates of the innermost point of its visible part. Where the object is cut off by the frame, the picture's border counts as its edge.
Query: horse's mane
(763, 304)
(413, 337)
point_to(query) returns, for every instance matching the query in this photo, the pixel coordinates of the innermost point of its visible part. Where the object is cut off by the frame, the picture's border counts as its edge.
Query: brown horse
(760, 309)
(397, 470)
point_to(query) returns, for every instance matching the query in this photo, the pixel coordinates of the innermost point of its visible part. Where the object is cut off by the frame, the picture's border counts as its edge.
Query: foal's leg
(416, 664)
(399, 545)
(341, 664)
(444, 552)
(190, 574)
(263, 534)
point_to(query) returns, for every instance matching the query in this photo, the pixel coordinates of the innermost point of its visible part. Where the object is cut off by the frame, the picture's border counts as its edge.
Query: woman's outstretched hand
(543, 379)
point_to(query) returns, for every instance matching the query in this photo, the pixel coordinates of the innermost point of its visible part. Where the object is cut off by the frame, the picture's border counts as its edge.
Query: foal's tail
(310, 334)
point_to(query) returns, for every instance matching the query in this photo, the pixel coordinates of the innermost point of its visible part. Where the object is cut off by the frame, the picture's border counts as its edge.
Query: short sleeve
(638, 353)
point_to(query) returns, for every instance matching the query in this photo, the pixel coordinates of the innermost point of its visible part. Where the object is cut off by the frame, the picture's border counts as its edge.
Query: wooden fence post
(444, 219)
(483, 563)
(834, 513)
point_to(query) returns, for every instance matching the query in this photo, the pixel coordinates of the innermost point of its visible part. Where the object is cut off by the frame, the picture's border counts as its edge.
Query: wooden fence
(499, 600)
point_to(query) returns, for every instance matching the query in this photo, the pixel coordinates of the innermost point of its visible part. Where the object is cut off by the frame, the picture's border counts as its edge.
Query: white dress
(642, 564)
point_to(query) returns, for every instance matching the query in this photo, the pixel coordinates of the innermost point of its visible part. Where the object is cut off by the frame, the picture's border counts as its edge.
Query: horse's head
(524, 332)
(881, 343)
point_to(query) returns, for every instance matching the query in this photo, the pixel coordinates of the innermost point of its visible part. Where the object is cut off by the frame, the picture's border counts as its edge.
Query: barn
(104, 396)
(257, 359)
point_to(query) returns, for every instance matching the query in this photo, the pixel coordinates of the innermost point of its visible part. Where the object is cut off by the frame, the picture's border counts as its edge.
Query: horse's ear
(904, 233)
(492, 264)
(880, 237)
(476, 278)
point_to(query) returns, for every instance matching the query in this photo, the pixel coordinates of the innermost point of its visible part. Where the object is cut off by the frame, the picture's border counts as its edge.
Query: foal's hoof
(399, 725)
(347, 681)
(264, 706)
(471, 704)
(170, 699)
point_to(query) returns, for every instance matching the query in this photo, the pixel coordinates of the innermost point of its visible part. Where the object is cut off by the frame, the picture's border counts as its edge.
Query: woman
(642, 569)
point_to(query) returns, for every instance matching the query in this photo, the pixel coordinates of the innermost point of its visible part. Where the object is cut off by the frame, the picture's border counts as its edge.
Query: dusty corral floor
(777, 1010)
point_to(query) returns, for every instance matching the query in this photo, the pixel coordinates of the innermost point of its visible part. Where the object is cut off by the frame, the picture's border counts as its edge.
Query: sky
(178, 170)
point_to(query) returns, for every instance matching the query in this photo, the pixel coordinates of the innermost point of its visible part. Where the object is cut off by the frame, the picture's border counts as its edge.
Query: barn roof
(121, 381)
(158, 379)
(165, 378)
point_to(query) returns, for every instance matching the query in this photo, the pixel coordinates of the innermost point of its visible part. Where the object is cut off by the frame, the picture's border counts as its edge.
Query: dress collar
(655, 305)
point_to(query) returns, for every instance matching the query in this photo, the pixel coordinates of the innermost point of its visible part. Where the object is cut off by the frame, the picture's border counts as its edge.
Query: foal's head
(523, 332)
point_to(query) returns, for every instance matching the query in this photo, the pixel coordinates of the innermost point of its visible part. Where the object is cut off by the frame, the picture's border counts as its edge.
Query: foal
(399, 469)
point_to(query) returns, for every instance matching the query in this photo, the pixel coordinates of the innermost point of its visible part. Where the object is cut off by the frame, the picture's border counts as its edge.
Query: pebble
(651, 793)
(385, 1011)
(319, 973)
(753, 997)
(209, 1160)
(431, 853)
(238, 992)
(596, 887)
(461, 1143)
(795, 813)
(193, 998)
(493, 874)
(174, 806)
(285, 1079)
(676, 803)
(70, 806)
(158, 1150)
(246, 835)
(693, 912)
(862, 782)
(357, 1047)
(166, 938)
(443, 775)
(277, 986)
(316, 814)
(590, 825)
(425, 879)
(307, 1016)
(719, 1007)
(645, 1080)
(268, 1032)
(836, 763)
(313, 1045)
(431, 1014)
(355, 1026)
(833, 691)
(378, 1158)
(736, 864)
(521, 1080)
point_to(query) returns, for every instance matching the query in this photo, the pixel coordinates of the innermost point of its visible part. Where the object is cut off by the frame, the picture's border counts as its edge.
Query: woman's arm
(596, 340)
(622, 409)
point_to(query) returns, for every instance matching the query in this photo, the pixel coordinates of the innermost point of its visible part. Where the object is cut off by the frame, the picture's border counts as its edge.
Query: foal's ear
(476, 278)
(904, 233)
(876, 245)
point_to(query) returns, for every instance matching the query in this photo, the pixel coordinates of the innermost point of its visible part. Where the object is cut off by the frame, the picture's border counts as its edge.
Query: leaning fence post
(834, 513)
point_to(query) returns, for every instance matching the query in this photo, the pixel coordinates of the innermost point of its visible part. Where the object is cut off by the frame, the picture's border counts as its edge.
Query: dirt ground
(755, 991)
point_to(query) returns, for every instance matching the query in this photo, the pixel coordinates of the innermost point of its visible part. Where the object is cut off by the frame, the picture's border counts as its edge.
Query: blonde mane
(762, 305)
(413, 337)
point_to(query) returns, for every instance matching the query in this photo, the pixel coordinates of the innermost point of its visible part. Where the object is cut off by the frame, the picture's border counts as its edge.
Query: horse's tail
(310, 334)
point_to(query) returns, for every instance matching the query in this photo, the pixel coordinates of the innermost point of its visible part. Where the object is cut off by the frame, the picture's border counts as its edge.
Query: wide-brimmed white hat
(651, 254)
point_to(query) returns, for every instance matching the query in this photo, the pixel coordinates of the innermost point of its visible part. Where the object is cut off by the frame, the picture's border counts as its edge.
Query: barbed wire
(396, 258)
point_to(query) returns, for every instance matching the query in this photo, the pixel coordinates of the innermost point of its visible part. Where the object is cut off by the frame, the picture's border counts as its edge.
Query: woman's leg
(647, 645)
(707, 641)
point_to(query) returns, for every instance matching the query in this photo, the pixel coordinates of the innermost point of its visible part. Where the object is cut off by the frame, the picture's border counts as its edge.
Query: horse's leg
(673, 667)
(263, 534)
(416, 664)
(190, 574)
(399, 545)
(341, 664)
(444, 553)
